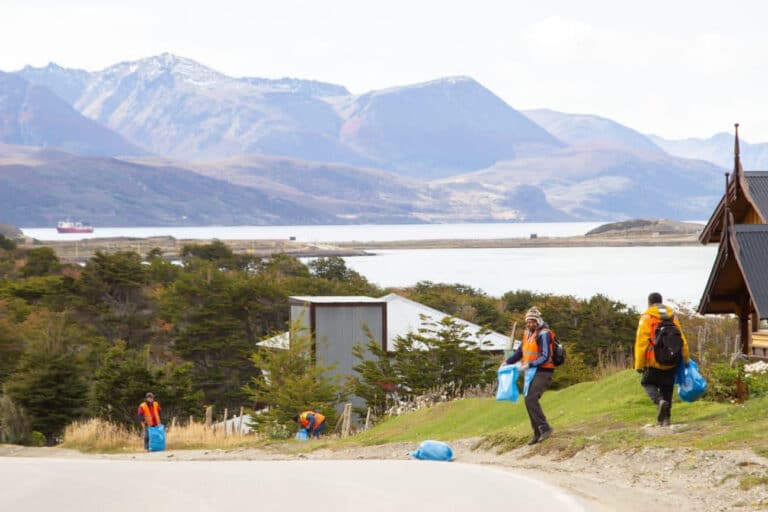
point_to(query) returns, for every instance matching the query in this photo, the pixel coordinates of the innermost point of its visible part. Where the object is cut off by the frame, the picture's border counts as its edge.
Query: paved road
(61, 485)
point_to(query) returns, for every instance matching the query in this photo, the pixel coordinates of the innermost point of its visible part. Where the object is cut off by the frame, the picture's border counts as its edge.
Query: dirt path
(682, 479)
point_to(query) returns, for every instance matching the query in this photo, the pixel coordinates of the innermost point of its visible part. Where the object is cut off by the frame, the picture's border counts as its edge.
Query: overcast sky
(675, 68)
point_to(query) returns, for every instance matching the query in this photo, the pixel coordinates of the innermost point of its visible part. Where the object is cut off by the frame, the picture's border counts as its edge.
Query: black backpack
(667, 341)
(558, 350)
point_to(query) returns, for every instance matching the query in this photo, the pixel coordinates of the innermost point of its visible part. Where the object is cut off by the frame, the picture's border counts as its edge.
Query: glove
(639, 370)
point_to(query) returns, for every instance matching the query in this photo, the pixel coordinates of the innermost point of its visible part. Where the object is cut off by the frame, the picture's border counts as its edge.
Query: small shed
(338, 323)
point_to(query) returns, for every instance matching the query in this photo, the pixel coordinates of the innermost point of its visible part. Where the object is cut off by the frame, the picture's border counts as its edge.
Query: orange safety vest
(319, 419)
(531, 348)
(151, 413)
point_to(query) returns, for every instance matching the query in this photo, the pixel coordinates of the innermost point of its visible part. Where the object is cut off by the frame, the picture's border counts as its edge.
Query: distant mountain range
(166, 140)
(717, 149)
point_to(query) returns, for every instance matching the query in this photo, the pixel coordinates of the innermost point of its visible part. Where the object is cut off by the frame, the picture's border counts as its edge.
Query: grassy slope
(610, 413)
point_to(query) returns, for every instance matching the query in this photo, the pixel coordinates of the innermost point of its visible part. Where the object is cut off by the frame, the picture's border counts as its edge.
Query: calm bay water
(627, 274)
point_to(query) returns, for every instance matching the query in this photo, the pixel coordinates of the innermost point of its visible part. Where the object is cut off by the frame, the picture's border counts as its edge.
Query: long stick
(511, 342)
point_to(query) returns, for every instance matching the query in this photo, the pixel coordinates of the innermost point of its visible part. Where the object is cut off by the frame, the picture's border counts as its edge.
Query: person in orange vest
(535, 352)
(149, 415)
(658, 379)
(312, 421)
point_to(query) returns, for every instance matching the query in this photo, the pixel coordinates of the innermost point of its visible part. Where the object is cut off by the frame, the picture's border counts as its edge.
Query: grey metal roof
(340, 299)
(405, 315)
(757, 181)
(752, 241)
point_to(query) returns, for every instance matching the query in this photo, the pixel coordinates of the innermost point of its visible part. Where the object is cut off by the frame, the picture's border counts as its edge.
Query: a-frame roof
(746, 196)
(747, 192)
(739, 277)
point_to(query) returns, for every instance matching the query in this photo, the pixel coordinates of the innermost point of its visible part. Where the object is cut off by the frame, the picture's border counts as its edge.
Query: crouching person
(312, 421)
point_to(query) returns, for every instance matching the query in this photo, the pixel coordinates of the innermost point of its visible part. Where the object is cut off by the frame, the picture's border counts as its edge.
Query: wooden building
(738, 283)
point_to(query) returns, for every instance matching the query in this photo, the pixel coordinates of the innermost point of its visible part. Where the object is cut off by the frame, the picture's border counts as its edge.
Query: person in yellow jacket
(658, 379)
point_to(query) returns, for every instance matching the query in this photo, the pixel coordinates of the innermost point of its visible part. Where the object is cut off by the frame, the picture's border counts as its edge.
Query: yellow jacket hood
(644, 355)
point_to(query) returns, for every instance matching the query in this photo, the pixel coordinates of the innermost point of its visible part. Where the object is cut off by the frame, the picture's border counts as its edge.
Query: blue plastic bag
(530, 373)
(433, 450)
(507, 389)
(302, 435)
(156, 438)
(691, 384)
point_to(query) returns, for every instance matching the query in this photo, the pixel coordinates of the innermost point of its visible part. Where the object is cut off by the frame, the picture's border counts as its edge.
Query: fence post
(226, 411)
(240, 422)
(368, 419)
(347, 420)
(209, 416)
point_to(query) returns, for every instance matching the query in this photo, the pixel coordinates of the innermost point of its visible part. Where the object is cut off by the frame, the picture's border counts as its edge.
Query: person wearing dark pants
(149, 416)
(658, 380)
(535, 352)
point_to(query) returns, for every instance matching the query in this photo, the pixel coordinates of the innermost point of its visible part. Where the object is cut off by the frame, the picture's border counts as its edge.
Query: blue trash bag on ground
(302, 434)
(433, 450)
(530, 373)
(691, 384)
(507, 389)
(156, 438)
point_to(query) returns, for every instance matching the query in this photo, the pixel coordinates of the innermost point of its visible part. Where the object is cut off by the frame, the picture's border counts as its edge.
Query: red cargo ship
(67, 226)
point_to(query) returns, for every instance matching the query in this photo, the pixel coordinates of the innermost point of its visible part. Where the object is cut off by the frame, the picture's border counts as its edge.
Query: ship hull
(74, 230)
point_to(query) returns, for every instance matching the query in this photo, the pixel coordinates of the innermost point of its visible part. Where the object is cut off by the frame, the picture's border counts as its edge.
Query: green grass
(609, 413)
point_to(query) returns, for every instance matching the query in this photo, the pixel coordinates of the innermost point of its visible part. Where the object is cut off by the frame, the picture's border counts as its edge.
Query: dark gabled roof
(746, 190)
(740, 272)
(752, 254)
(757, 186)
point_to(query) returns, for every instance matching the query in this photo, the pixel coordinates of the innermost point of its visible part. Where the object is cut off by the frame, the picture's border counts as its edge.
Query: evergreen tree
(212, 314)
(113, 289)
(50, 381)
(444, 355)
(126, 375)
(376, 380)
(51, 388)
(41, 261)
(290, 381)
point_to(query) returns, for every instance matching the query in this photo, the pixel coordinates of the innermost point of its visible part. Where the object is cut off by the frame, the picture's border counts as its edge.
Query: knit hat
(534, 314)
(149, 395)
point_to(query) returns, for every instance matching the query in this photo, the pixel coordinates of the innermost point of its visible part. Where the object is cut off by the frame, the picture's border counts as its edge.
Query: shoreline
(78, 251)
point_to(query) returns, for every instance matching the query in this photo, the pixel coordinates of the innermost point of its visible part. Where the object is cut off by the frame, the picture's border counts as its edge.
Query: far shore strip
(170, 248)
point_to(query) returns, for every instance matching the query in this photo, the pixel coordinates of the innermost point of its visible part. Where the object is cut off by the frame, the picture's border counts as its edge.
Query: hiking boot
(546, 431)
(663, 410)
(534, 439)
(666, 413)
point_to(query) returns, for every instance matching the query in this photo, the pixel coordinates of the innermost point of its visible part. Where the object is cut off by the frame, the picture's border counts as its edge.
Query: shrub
(722, 381)
(756, 376)
(14, 423)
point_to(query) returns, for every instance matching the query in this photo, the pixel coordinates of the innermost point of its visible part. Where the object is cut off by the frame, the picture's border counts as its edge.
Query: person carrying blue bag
(149, 416)
(660, 347)
(535, 352)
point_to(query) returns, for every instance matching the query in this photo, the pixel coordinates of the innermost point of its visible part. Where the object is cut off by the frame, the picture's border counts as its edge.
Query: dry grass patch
(99, 436)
